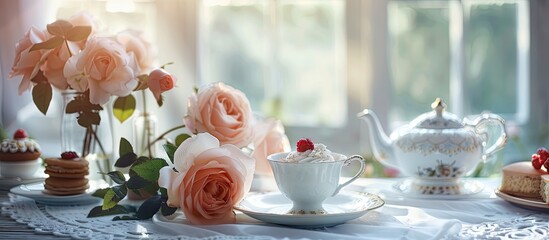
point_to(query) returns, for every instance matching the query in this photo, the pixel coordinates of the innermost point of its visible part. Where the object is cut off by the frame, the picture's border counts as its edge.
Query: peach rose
(160, 81)
(55, 63)
(134, 41)
(222, 111)
(209, 180)
(269, 138)
(27, 63)
(104, 68)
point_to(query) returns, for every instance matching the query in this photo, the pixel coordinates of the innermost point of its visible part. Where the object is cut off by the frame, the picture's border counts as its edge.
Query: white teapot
(437, 146)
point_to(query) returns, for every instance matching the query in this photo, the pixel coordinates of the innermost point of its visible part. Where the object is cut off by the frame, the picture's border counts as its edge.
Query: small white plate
(272, 207)
(467, 188)
(530, 203)
(35, 191)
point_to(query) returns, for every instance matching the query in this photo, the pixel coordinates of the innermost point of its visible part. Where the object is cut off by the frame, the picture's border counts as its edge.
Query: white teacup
(307, 185)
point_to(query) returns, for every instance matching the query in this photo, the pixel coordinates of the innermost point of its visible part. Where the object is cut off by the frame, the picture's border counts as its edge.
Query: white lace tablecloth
(481, 216)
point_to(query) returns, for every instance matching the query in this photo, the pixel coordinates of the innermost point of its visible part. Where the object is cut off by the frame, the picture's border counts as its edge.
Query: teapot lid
(438, 118)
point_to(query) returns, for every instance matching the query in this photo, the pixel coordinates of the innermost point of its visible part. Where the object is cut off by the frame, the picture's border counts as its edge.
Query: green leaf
(59, 27)
(124, 107)
(41, 95)
(78, 33)
(117, 177)
(87, 119)
(170, 150)
(167, 210)
(149, 207)
(114, 195)
(125, 218)
(100, 193)
(127, 156)
(125, 147)
(99, 211)
(126, 160)
(152, 188)
(149, 170)
(136, 182)
(48, 44)
(181, 138)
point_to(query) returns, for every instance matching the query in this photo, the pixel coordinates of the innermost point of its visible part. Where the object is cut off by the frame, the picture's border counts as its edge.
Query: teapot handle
(488, 126)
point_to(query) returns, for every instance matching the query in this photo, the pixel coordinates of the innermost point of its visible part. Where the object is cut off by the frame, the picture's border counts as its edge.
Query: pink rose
(55, 63)
(27, 63)
(160, 81)
(222, 111)
(134, 41)
(104, 68)
(209, 180)
(269, 138)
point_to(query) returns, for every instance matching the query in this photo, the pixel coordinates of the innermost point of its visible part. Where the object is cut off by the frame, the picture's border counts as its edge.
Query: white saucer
(273, 207)
(465, 188)
(529, 203)
(35, 191)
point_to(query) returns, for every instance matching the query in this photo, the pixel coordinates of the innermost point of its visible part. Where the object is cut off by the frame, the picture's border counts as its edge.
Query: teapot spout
(380, 142)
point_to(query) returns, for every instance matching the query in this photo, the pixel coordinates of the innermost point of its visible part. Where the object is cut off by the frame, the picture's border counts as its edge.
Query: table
(482, 215)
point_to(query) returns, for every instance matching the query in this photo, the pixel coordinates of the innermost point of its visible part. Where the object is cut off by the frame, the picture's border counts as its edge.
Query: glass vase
(94, 144)
(144, 132)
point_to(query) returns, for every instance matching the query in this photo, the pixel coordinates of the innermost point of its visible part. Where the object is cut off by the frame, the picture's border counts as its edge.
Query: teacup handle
(360, 171)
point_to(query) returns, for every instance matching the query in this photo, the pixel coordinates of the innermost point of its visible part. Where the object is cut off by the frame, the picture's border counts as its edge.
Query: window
(287, 56)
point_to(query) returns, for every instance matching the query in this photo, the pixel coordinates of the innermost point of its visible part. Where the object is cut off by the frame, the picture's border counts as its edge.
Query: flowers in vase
(71, 55)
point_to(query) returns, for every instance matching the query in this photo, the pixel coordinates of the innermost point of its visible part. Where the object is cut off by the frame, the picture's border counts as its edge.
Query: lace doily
(71, 221)
(527, 227)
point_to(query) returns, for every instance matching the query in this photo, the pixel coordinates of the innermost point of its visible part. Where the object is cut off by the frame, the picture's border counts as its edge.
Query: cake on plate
(20, 156)
(522, 180)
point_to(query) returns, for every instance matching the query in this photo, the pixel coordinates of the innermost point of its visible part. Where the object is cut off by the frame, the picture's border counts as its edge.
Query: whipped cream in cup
(320, 153)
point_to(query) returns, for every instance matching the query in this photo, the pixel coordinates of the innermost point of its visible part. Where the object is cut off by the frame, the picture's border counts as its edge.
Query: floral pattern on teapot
(443, 170)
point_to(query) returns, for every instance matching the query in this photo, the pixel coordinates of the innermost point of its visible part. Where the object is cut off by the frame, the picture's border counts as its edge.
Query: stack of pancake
(67, 175)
